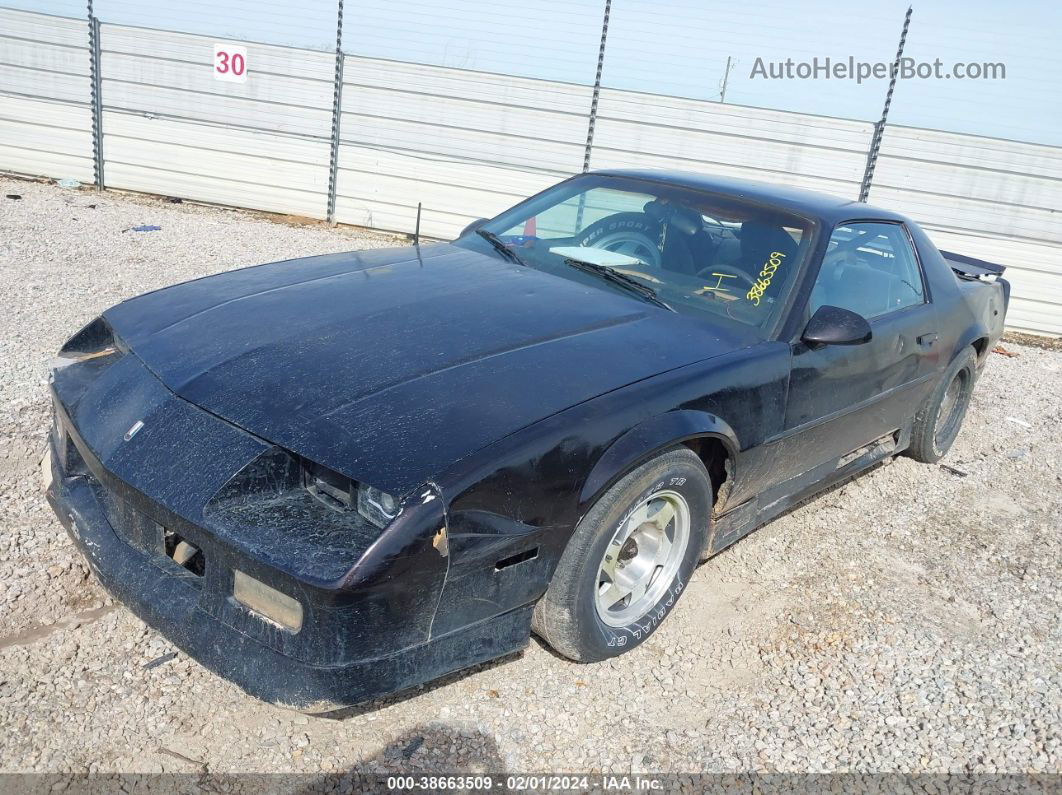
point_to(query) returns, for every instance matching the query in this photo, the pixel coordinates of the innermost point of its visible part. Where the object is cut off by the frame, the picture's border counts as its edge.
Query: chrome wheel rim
(642, 558)
(949, 416)
(631, 244)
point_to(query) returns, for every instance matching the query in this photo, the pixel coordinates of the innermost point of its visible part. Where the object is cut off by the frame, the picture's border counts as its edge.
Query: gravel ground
(907, 621)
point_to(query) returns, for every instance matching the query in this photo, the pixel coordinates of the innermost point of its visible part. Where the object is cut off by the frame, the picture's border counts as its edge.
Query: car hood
(389, 365)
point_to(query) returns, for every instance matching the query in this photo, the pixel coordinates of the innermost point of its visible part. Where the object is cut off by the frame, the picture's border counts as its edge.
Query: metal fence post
(597, 88)
(337, 107)
(96, 90)
(879, 127)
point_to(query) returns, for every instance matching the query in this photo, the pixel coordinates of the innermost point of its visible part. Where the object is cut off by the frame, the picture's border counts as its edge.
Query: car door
(842, 397)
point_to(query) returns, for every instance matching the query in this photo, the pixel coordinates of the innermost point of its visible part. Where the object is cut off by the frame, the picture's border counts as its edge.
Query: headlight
(377, 506)
(342, 493)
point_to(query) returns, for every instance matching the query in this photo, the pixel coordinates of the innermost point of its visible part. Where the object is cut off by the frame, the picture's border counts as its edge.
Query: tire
(937, 424)
(572, 616)
(634, 234)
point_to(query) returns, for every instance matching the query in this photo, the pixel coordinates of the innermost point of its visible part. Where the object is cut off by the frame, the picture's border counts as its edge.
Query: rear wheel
(629, 560)
(937, 425)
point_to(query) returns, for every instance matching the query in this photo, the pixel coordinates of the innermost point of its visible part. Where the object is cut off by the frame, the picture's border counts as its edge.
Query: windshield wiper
(644, 291)
(499, 246)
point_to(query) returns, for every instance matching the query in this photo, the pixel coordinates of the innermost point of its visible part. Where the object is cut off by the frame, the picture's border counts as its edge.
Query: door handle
(926, 340)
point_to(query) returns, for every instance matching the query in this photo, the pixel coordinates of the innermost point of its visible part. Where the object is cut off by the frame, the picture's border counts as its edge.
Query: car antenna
(416, 230)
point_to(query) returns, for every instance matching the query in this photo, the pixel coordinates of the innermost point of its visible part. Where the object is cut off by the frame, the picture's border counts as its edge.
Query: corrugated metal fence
(465, 144)
(989, 198)
(45, 111)
(469, 143)
(170, 127)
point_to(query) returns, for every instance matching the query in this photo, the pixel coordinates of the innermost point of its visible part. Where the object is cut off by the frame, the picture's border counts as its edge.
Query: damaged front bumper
(365, 635)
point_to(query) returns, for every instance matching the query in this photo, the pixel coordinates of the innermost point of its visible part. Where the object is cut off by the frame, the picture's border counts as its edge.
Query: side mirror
(472, 227)
(831, 325)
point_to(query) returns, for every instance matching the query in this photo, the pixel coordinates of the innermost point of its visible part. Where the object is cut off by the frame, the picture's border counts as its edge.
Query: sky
(681, 47)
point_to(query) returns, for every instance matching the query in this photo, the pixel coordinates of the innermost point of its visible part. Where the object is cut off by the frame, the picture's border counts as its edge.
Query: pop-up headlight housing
(342, 493)
(279, 472)
(95, 341)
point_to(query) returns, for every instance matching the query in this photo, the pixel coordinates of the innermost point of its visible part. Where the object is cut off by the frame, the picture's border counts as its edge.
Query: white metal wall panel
(45, 121)
(496, 119)
(989, 198)
(547, 39)
(182, 47)
(682, 48)
(242, 168)
(466, 144)
(62, 8)
(466, 84)
(45, 139)
(306, 24)
(1033, 269)
(671, 132)
(969, 183)
(44, 56)
(37, 83)
(959, 213)
(213, 108)
(171, 74)
(380, 189)
(43, 28)
(171, 128)
(470, 143)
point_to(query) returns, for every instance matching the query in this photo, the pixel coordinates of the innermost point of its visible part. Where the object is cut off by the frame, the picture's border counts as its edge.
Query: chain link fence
(359, 114)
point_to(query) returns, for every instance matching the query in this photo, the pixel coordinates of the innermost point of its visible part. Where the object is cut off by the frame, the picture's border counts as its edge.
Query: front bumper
(169, 601)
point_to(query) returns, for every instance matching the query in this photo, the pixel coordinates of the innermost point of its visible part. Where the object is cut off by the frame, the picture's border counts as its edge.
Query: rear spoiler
(970, 268)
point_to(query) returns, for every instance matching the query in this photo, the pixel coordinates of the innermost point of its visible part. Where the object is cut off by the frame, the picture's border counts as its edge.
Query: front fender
(647, 439)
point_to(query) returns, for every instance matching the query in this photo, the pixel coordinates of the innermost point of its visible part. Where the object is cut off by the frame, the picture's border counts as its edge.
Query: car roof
(830, 209)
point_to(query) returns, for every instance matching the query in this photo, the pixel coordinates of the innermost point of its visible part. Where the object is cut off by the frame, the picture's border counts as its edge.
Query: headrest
(757, 236)
(684, 220)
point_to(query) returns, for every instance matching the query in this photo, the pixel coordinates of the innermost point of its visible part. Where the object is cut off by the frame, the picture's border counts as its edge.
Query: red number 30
(227, 62)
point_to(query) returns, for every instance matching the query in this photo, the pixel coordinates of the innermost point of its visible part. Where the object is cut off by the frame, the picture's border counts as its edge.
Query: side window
(870, 269)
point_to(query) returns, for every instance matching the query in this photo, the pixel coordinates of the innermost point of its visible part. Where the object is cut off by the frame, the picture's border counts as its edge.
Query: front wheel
(629, 560)
(937, 424)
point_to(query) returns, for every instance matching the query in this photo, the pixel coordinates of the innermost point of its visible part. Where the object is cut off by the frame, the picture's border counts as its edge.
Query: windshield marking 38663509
(762, 284)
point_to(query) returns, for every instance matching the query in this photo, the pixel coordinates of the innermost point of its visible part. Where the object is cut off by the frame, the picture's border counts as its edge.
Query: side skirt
(741, 520)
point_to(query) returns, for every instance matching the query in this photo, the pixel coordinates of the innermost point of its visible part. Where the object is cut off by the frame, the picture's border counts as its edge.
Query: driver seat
(680, 226)
(760, 239)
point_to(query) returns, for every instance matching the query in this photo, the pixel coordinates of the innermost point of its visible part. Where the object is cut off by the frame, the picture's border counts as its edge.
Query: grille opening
(519, 557)
(184, 554)
(73, 463)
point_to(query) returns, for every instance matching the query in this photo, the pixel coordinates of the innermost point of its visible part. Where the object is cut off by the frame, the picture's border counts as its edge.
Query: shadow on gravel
(435, 749)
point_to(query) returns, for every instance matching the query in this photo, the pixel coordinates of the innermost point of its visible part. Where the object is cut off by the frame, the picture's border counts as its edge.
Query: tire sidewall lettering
(599, 229)
(637, 631)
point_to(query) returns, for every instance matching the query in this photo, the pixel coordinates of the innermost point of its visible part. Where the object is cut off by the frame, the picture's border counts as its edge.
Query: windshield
(696, 252)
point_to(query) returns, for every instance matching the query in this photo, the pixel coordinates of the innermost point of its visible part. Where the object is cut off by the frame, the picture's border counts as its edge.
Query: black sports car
(332, 478)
